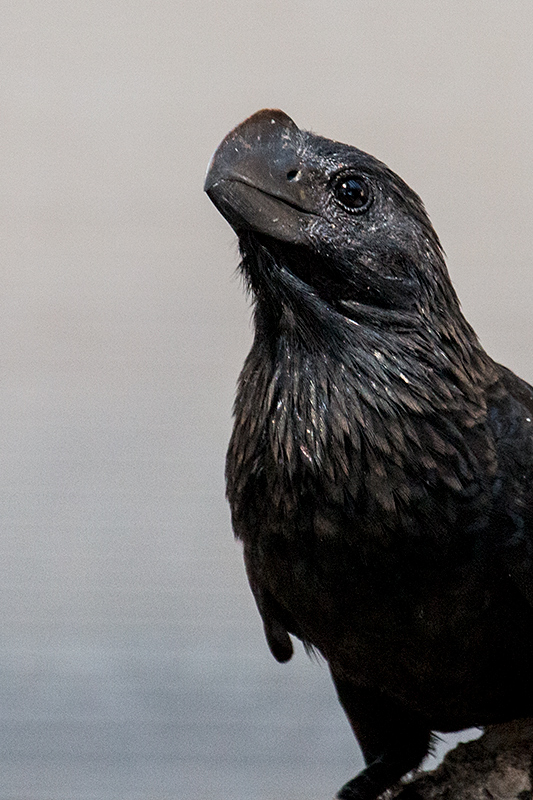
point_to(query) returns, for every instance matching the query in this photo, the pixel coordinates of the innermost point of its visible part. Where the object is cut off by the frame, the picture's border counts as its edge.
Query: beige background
(132, 663)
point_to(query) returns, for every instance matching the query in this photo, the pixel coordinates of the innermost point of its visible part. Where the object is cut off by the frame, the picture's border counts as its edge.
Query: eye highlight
(351, 192)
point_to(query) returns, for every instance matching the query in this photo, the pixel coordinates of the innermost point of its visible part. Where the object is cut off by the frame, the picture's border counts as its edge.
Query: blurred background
(132, 661)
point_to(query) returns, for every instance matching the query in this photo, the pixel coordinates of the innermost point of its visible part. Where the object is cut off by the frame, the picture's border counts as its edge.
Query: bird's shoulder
(510, 414)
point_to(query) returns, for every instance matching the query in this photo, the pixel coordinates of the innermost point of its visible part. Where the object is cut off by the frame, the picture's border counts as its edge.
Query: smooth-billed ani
(380, 471)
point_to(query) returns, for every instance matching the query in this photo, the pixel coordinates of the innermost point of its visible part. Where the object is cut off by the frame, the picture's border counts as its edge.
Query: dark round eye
(352, 192)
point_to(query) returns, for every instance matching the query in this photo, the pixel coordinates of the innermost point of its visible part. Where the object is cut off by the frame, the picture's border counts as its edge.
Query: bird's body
(380, 472)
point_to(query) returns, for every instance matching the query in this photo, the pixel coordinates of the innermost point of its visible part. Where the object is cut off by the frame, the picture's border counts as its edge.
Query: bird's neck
(365, 424)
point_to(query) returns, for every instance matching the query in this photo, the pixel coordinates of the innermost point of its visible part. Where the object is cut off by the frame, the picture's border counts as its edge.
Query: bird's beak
(257, 179)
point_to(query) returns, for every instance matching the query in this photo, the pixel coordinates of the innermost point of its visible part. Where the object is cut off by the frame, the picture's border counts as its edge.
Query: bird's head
(336, 222)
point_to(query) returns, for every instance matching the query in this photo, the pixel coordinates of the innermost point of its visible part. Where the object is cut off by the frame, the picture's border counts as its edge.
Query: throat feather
(359, 435)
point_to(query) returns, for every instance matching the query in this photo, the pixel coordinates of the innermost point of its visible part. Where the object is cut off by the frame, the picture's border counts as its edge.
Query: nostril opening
(292, 174)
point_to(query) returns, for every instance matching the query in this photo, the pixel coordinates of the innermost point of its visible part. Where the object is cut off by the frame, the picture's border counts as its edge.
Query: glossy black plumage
(380, 468)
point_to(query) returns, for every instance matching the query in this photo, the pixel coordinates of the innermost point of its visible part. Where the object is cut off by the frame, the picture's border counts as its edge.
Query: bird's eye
(351, 192)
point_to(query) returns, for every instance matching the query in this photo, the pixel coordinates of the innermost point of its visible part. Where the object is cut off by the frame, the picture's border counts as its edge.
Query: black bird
(380, 471)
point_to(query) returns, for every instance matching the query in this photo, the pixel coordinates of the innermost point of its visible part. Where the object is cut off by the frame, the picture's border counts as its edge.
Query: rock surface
(497, 766)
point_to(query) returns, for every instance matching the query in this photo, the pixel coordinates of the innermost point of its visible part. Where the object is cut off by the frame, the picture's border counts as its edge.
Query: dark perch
(495, 766)
(380, 472)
